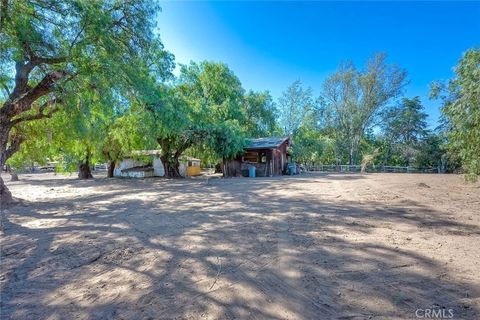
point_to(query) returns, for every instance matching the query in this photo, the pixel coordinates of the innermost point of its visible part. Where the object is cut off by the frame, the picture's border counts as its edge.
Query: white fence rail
(371, 168)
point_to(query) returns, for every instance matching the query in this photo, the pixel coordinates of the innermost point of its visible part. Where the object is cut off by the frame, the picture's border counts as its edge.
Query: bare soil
(314, 246)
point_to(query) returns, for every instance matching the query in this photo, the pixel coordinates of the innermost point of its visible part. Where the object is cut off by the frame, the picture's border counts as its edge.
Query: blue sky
(271, 44)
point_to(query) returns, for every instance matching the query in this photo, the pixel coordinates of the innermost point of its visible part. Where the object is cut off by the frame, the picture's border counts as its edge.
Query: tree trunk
(352, 156)
(13, 174)
(111, 169)
(218, 168)
(386, 156)
(353, 152)
(14, 109)
(5, 195)
(172, 149)
(225, 168)
(171, 166)
(84, 171)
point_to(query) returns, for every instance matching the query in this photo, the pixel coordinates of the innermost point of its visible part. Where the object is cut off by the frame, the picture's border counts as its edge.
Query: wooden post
(273, 162)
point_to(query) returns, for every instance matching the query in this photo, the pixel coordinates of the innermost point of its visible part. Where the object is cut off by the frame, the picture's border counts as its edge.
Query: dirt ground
(314, 246)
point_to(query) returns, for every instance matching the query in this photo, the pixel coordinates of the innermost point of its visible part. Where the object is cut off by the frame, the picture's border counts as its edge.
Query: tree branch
(22, 71)
(47, 60)
(14, 145)
(40, 114)
(24, 67)
(77, 36)
(24, 101)
(6, 89)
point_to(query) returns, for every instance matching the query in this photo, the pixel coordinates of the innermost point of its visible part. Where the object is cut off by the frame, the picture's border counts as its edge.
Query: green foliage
(260, 114)
(311, 146)
(38, 150)
(72, 56)
(461, 109)
(109, 42)
(404, 128)
(293, 105)
(220, 110)
(226, 139)
(212, 90)
(406, 122)
(90, 127)
(430, 152)
(354, 99)
(202, 111)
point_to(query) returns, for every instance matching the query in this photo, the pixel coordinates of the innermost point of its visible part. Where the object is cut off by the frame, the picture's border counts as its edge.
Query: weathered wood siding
(275, 162)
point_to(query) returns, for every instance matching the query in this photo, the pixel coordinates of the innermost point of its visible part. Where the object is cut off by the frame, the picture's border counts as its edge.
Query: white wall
(158, 169)
(138, 174)
(182, 169)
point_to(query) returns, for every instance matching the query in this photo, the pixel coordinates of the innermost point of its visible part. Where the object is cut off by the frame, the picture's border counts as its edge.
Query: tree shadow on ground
(227, 249)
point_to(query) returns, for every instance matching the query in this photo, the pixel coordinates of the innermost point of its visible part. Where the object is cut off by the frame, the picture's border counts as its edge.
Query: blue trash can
(291, 169)
(251, 171)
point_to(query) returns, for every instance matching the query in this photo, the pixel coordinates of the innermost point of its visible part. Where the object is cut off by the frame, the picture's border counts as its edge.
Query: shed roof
(157, 153)
(145, 152)
(265, 143)
(187, 158)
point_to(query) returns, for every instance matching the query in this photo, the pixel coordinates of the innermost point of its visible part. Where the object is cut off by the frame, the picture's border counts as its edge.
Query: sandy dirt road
(314, 246)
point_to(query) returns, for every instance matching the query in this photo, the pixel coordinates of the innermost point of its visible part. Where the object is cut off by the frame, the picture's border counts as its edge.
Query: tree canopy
(354, 99)
(404, 128)
(293, 104)
(52, 51)
(461, 109)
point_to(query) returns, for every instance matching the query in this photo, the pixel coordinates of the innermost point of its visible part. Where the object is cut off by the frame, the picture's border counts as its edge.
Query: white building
(147, 163)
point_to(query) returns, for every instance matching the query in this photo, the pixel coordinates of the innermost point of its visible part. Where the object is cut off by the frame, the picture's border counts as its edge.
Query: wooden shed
(189, 167)
(269, 155)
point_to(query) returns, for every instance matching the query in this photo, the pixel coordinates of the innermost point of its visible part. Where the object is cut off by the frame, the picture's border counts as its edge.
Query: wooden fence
(370, 168)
